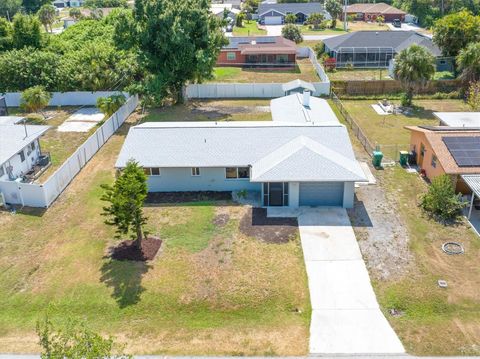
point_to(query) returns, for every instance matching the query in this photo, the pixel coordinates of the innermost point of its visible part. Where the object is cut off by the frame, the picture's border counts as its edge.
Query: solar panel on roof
(464, 150)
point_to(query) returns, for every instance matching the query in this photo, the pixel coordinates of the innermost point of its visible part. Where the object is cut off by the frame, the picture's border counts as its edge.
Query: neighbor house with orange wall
(433, 156)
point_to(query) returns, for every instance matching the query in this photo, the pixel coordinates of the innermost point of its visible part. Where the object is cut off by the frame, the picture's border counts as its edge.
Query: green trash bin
(403, 158)
(377, 158)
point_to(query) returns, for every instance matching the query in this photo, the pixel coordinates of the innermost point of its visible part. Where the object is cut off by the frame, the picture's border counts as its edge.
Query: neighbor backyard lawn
(435, 321)
(212, 290)
(359, 74)
(60, 145)
(248, 29)
(352, 26)
(304, 71)
(388, 131)
(215, 110)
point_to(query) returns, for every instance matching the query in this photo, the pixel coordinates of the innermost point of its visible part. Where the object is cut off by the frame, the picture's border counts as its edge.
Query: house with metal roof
(274, 13)
(19, 148)
(297, 86)
(375, 49)
(284, 163)
(459, 119)
(258, 51)
(302, 108)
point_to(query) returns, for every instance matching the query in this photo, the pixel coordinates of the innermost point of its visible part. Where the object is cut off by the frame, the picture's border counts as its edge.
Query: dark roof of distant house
(264, 44)
(305, 8)
(378, 8)
(398, 40)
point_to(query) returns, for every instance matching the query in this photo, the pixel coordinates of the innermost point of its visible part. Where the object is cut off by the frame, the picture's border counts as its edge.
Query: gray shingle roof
(398, 40)
(13, 139)
(306, 8)
(283, 151)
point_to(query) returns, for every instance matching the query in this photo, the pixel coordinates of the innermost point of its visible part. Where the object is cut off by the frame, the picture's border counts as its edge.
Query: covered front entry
(321, 194)
(275, 194)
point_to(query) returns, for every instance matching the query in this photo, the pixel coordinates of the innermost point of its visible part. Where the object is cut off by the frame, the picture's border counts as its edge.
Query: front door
(276, 194)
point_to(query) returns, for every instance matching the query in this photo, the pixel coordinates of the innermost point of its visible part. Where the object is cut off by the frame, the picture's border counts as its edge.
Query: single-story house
(375, 49)
(459, 119)
(302, 108)
(274, 14)
(283, 163)
(297, 86)
(370, 12)
(223, 11)
(258, 51)
(20, 148)
(454, 151)
(60, 4)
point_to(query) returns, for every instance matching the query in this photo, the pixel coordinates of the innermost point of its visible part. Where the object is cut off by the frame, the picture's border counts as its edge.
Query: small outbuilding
(459, 119)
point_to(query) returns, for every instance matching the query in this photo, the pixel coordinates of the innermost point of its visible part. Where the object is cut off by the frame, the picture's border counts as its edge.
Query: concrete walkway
(346, 318)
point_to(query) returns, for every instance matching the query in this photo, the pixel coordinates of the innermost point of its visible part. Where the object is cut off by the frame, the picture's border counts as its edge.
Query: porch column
(471, 205)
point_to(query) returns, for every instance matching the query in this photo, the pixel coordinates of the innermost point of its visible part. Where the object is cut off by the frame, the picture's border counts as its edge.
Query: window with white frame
(434, 161)
(237, 173)
(151, 171)
(195, 171)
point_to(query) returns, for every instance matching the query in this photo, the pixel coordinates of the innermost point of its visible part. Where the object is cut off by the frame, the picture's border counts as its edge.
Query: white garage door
(273, 20)
(321, 194)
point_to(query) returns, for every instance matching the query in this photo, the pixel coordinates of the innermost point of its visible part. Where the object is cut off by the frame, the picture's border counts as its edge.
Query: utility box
(404, 158)
(377, 158)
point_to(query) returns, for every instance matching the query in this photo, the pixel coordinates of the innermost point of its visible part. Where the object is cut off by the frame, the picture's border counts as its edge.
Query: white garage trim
(321, 194)
(273, 20)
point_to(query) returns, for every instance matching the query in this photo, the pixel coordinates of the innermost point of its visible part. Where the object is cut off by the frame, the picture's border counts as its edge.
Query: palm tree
(109, 105)
(46, 15)
(468, 61)
(414, 66)
(34, 99)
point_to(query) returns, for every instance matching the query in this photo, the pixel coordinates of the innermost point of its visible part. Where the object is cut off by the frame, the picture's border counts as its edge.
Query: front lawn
(388, 131)
(338, 30)
(304, 71)
(248, 29)
(432, 320)
(212, 290)
(215, 110)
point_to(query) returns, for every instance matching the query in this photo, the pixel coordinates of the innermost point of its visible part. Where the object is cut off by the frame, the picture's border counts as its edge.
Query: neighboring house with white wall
(286, 163)
(19, 149)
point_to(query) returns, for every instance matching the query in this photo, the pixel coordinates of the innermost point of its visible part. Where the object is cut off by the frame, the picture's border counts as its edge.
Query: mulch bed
(179, 197)
(271, 230)
(129, 251)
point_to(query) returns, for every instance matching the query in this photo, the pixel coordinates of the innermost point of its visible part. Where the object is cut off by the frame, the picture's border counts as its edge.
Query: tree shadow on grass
(125, 277)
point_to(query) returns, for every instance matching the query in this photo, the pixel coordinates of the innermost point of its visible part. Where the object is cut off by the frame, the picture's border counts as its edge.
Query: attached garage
(273, 20)
(321, 193)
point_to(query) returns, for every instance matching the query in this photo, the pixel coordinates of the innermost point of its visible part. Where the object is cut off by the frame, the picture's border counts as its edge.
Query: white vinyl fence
(259, 90)
(43, 195)
(76, 98)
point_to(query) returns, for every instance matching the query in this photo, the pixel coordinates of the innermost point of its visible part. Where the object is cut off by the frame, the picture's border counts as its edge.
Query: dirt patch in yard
(255, 223)
(381, 234)
(183, 197)
(129, 250)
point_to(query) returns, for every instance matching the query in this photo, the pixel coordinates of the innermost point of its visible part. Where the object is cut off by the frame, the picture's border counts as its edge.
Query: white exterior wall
(210, 179)
(293, 194)
(19, 167)
(348, 194)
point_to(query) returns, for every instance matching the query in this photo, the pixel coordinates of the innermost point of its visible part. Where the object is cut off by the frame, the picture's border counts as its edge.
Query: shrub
(35, 99)
(290, 19)
(405, 99)
(292, 32)
(440, 200)
(319, 49)
(109, 105)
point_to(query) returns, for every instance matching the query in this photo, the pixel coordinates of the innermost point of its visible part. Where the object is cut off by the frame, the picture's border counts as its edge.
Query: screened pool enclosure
(368, 57)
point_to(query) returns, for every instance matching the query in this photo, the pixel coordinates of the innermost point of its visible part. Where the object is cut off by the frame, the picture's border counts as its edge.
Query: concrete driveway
(274, 30)
(346, 318)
